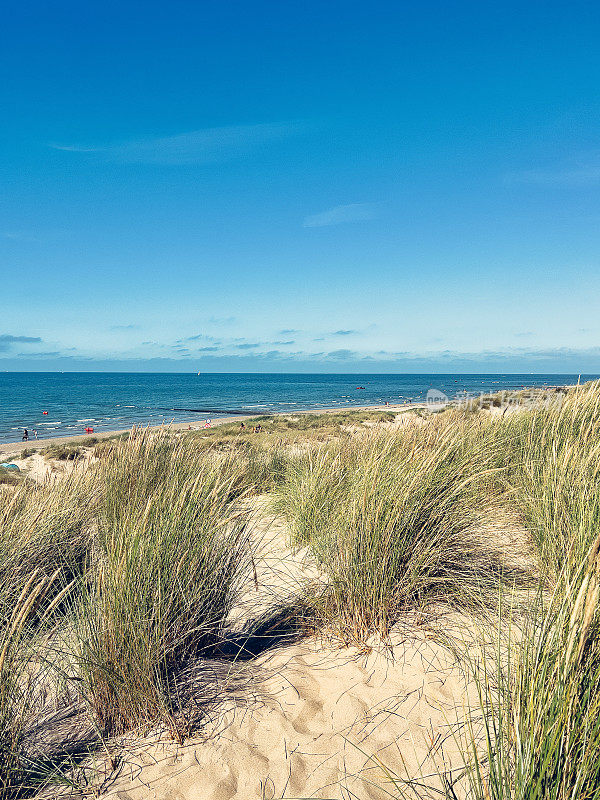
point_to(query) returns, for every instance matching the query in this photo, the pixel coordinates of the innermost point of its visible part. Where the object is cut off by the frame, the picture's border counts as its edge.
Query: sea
(66, 403)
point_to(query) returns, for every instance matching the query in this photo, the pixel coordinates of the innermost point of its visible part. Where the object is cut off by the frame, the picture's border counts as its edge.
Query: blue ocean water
(112, 401)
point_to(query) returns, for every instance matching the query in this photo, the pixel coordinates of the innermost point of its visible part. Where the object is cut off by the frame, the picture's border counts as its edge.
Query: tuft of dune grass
(388, 517)
(536, 731)
(23, 669)
(10, 477)
(553, 454)
(139, 558)
(167, 563)
(541, 711)
(314, 484)
(45, 528)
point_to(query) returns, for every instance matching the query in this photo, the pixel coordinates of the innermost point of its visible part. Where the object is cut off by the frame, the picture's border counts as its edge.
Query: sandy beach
(37, 444)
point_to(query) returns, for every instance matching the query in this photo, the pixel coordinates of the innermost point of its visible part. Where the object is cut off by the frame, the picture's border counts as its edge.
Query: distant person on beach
(35, 434)
(242, 426)
(25, 435)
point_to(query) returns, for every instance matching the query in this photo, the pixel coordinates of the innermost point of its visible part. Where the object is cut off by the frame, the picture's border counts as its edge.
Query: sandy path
(317, 715)
(313, 729)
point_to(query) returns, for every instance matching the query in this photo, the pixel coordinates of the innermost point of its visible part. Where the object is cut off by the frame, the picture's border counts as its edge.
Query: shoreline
(316, 397)
(37, 444)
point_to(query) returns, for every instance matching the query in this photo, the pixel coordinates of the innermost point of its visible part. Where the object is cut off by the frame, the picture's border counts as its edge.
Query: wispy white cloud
(205, 146)
(578, 172)
(76, 148)
(198, 337)
(13, 235)
(354, 212)
(44, 354)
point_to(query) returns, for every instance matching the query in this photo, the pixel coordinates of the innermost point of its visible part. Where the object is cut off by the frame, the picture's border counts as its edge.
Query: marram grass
(138, 558)
(540, 734)
(23, 670)
(388, 516)
(554, 452)
(169, 556)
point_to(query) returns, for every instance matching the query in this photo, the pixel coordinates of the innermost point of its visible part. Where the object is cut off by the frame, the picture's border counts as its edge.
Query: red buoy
(44, 412)
(89, 430)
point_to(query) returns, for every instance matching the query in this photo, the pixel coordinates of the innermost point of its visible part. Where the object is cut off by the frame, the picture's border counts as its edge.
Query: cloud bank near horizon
(209, 359)
(7, 340)
(340, 350)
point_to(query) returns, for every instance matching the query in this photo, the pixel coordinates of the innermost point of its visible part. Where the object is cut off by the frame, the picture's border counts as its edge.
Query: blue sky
(300, 186)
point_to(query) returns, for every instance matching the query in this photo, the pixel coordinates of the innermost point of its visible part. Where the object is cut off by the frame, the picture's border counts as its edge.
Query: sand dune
(313, 728)
(317, 717)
